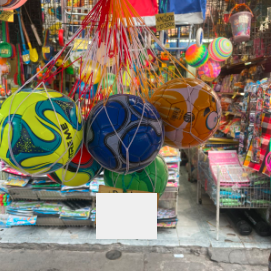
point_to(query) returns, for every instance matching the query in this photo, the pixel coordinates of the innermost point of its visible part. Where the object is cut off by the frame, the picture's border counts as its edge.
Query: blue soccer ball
(124, 134)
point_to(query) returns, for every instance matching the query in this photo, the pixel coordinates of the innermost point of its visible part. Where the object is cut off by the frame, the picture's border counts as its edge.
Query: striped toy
(196, 56)
(220, 49)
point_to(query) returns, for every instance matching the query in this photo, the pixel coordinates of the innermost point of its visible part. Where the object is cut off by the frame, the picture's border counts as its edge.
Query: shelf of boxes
(22, 190)
(169, 199)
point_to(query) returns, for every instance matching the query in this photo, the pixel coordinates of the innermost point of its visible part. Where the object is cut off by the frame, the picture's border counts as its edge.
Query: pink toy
(209, 71)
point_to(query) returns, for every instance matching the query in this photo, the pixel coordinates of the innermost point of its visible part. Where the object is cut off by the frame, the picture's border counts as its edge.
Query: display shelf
(231, 93)
(224, 140)
(169, 199)
(238, 67)
(231, 113)
(231, 188)
(57, 222)
(30, 194)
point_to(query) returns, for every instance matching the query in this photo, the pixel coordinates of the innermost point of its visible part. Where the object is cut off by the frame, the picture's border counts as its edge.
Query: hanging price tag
(164, 65)
(7, 16)
(165, 21)
(46, 50)
(4, 51)
(167, 45)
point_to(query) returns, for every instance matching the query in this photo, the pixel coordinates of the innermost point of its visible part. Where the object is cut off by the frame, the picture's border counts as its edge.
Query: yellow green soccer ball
(41, 141)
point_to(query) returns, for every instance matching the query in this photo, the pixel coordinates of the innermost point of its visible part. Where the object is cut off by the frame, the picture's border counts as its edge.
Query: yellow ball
(37, 143)
(86, 76)
(190, 111)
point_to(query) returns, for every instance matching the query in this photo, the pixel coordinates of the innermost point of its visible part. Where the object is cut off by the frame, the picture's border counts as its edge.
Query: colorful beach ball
(220, 49)
(209, 71)
(196, 56)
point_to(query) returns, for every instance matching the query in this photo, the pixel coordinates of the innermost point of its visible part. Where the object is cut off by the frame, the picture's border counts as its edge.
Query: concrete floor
(61, 260)
(196, 227)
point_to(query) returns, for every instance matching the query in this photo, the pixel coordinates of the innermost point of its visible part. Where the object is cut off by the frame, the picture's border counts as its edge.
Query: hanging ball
(199, 37)
(91, 73)
(196, 56)
(124, 134)
(190, 111)
(40, 134)
(81, 170)
(152, 178)
(220, 49)
(209, 71)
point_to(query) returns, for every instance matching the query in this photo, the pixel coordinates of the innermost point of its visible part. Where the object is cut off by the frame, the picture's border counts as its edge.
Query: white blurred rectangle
(126, 216)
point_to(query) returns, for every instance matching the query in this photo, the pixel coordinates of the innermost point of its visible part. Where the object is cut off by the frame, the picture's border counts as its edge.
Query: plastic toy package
(48, 208)
(168, 151)
(3, 221)
(21, 220)
(94, 184)
(256, 110)
(17, 181)
(80, 214)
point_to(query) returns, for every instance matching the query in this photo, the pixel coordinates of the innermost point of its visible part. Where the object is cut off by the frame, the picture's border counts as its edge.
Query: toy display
(125, 134)
(196, 56)
(220, 49)
(44, 124)
(82, 169)
(12, 5)
(209, 71)
(241, 23)
(152, 178)
(190, 111)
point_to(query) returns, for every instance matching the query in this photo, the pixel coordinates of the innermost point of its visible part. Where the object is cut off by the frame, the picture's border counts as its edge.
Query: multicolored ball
(209, 71)
(220, 49)
(196, 56)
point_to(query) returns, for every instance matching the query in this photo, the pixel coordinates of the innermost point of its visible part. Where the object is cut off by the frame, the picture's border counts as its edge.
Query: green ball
(106, 83)
(152, 178)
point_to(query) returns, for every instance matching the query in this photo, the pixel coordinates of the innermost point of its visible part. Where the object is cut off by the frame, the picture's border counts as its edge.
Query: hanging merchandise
(146, 9)
(109, 149)
(220, 49)
(33, 54)
(258, 128)
(8, 40)
(190, 111)
(25, 53)
(152, 178)
(241, 23)
(91, 72)
(5, 47)
(110, 82)
(209, 71)
(47, 49)
(34, 29)
(189, 11)
(32, 130)
(196, 56)
(199, 37)
(113, 102)
(81, 170)
(12, 4)
(21, 70)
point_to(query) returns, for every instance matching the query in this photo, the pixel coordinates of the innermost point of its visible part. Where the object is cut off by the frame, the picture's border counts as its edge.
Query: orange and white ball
(190, 111)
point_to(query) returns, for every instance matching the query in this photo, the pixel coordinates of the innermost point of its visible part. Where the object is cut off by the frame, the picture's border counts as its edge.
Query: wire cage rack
(237, 187)
(217, 24)
(73, 13)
